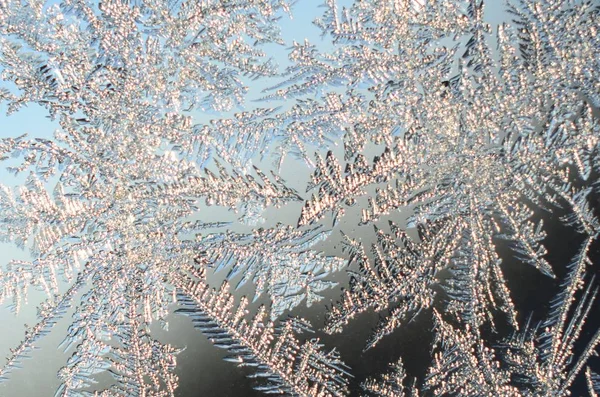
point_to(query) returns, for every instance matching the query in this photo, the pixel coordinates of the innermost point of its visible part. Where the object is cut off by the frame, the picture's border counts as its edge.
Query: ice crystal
(402, 275)
(287, 365)
(532, 362)
(461, 140)
(535, 361)
(277, 260)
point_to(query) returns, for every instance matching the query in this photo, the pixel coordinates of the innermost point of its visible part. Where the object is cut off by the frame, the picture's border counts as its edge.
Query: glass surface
(233, 198)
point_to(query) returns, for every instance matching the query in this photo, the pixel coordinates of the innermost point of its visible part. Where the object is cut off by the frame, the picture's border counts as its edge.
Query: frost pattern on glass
(460, 140)
(277, 261)
(289, 367)
(535, 361)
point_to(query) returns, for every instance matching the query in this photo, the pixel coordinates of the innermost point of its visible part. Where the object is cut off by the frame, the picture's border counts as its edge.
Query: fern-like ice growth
(461, 138)
(126, 168)
(593, 382)
(397, 280)
(288, 365)
(392, 384)
(460, 145)
(535, 361)
(278, 261)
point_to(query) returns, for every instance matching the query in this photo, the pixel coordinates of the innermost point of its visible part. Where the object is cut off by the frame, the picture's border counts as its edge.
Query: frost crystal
(453, 140)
